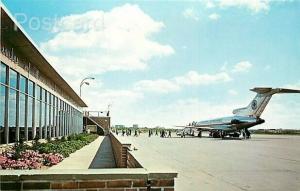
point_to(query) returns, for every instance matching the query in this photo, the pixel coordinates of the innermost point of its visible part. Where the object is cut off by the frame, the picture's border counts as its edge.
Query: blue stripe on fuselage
(228, 120)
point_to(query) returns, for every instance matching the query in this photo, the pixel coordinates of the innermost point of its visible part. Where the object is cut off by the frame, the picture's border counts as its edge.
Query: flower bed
(28, 159)
(39, 155)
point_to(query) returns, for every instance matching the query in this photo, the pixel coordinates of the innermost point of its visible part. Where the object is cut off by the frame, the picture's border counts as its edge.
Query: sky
(167, 63)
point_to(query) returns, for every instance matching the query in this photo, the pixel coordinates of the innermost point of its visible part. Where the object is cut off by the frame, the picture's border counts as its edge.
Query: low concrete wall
(104, 179)
(132, 162)
(123, 157)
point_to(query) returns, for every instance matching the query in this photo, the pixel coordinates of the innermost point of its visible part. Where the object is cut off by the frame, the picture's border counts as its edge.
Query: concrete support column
(26, 116)
(33, 117)
(6, 134)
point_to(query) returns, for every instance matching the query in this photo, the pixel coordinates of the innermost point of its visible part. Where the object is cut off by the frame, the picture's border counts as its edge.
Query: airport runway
(265, 162)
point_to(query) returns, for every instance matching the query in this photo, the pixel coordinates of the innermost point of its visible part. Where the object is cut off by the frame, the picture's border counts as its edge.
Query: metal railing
(96, 113)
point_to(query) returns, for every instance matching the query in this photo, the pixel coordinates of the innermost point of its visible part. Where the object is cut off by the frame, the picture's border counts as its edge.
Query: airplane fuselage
(232, 123)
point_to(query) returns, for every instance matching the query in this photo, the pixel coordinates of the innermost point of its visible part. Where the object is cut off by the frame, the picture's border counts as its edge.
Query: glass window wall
(30, 88)
(2, 113)
(30, 118)
(28, 111)
(37, 118)
(13, 79)
(12, 115)
(23, 84)
(22, 116)
(3, 74)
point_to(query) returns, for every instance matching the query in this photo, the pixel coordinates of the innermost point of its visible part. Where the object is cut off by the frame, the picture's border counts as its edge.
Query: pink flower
(3, 159)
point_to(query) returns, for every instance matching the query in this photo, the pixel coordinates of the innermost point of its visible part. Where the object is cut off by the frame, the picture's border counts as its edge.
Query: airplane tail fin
(259, 103)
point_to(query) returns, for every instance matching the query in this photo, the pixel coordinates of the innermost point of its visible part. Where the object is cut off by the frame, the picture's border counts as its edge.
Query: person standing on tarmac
(169, 134)
(135, 133)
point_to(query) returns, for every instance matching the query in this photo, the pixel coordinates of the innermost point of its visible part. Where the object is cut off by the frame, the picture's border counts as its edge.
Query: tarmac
(265, 162)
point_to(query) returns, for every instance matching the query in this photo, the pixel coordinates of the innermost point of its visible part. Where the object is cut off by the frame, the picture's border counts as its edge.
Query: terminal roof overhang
(23, 43)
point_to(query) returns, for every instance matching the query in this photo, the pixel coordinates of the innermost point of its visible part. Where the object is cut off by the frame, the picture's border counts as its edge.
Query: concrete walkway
(97, 154)
(104, 157)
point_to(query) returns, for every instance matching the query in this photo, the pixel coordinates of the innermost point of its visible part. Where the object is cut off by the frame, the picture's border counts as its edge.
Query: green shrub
(64, 138)
(48, 139)
(65, 146)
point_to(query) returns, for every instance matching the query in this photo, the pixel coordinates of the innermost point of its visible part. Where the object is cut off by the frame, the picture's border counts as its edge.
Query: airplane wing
(222, 127)
(204, 125)
(207, 127)
(197, 127)
(184, 126)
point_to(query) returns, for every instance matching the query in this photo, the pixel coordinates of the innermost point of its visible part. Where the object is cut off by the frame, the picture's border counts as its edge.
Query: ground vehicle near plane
(185, 131)
(243, 118)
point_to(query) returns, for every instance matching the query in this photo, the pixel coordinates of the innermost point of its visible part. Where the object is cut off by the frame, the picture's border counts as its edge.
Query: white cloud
(157, 86)
(253, 5)
(182, 112)
(214, 16)
(120, 99)
(243, 66)
(194, 78)
(281, 112)
(191, 13)
(210, 4)
(232, 92)
(123, 103)
(96, 42)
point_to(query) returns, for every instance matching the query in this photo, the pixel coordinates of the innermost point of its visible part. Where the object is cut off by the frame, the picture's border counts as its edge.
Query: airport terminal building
(35, 101)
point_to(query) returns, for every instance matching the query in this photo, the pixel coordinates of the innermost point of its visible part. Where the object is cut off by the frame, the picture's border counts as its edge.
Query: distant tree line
(276, 131)
(142, 129)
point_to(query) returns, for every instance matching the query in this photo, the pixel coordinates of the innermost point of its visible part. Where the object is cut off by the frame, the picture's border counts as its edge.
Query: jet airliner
(243, 118)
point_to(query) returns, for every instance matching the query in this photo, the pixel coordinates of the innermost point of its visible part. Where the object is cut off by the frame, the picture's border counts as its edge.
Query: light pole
(84, 82)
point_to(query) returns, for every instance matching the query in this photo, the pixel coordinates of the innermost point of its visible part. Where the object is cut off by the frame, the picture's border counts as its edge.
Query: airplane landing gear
(222, 133)
(216, 134)
(246, 134)
(200, 134)
(235, 135)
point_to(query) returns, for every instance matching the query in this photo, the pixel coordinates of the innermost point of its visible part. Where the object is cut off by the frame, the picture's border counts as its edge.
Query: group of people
(162, 133)
(128, 132)
(136, 132)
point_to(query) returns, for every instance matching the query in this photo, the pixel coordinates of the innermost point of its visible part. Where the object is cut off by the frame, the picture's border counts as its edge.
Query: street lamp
(84, 82)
